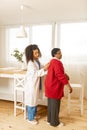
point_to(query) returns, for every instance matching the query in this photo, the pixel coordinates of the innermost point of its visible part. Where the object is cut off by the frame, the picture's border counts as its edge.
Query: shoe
(48, 123)
(60, 125)
(34, 122)
(37, 117)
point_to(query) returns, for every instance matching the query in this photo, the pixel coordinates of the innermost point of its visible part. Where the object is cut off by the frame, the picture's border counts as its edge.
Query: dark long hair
(29, 52)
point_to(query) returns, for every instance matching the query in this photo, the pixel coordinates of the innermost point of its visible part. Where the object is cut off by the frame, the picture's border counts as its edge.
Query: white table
(6, 82)
(7, 85)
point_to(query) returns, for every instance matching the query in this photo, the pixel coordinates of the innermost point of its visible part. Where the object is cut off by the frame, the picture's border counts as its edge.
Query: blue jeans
(31, 112)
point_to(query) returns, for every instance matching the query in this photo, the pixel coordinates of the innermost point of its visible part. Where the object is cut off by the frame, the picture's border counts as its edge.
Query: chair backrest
(19, 81)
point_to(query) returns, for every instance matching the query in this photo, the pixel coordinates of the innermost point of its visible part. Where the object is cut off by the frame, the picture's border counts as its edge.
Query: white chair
(19, 94)
(78, 102)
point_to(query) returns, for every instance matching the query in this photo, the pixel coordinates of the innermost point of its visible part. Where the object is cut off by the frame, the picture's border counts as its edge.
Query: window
(19, 43)
(41, 35)
(15, 43)
(73, 40)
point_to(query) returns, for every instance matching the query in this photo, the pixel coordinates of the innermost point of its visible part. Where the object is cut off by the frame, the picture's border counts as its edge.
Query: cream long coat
(32, 83)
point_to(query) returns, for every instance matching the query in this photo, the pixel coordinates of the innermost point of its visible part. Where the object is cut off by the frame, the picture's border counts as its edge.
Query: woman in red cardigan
(54, 87)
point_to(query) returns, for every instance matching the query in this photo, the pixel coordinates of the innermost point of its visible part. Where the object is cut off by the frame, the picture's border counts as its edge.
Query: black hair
(29, 52)
(54, 51)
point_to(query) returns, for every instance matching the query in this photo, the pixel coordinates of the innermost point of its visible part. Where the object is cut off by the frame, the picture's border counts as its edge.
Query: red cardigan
(55, 80)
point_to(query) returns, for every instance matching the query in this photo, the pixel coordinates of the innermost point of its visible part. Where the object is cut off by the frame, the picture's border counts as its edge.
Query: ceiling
(42, 11)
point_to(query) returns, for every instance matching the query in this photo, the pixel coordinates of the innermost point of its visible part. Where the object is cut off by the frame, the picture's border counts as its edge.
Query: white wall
(2, 47)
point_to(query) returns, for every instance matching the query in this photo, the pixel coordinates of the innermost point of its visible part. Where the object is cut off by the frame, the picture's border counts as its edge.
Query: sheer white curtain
(73, 41)
(73, 44)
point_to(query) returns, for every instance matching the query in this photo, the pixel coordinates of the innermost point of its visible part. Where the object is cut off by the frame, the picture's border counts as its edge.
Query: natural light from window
(41, 35)
(73, 39)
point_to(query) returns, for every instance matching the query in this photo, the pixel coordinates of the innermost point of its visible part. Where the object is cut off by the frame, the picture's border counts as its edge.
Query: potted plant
(18, 55)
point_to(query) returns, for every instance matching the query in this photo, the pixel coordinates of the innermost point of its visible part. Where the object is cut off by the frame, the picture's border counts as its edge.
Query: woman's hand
(46, 66)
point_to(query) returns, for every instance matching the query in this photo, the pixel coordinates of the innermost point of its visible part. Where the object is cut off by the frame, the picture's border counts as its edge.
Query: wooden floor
(72, 122)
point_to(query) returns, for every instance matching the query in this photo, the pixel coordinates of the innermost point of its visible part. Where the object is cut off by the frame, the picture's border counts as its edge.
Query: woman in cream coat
(32, 80)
